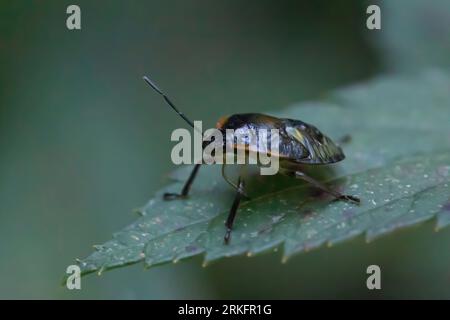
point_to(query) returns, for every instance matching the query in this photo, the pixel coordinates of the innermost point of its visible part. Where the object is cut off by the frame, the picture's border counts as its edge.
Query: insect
(300, 144)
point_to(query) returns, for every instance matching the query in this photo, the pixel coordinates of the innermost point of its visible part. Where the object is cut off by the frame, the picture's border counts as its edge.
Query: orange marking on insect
(220, 123)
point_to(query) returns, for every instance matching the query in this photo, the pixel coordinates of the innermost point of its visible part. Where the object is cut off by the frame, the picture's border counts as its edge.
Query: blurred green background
(83, 140)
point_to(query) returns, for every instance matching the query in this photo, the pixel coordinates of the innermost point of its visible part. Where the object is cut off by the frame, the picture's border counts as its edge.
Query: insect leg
(186, 187)
(321, 186)
(232, 184)
(344, 139)
(232, 215)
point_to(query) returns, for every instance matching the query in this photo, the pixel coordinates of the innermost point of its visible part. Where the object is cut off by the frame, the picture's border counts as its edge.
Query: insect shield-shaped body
(295, 144)
(298, 142)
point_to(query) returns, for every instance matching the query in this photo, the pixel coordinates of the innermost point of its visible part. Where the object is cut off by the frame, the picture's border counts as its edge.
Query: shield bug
(300, 144)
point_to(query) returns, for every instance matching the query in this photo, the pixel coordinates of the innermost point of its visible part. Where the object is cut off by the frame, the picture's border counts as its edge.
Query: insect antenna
(166, 98)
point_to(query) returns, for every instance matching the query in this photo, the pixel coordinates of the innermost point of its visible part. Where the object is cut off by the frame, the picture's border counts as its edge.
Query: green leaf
(398, 163)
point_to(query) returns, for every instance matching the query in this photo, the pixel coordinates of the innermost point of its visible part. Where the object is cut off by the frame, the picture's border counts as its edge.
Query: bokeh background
(83, 140)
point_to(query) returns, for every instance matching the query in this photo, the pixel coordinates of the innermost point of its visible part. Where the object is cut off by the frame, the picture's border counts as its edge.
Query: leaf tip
(101, 270)
(139, 211)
